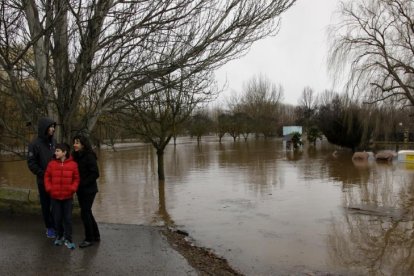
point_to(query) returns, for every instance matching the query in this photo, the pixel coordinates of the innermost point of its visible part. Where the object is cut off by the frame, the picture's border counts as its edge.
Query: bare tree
(261, 101)
(307, 107)
(374, 42)
(223, 125)
(156, 116)
(395, 119)
(308, 98)
(125, 44)
(287, 114)
(200, 124)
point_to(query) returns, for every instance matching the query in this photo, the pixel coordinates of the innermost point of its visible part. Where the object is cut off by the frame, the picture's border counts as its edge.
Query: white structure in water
(290, 129)
(406, 156)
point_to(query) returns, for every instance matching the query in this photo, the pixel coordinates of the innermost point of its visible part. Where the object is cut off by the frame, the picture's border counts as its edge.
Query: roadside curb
(19, 200)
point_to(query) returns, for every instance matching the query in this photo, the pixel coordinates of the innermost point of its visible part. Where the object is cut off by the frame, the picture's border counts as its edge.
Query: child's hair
(64, 147)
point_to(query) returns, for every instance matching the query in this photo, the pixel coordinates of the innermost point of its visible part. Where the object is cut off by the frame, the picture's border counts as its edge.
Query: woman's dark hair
(84, 141)
(64, 147)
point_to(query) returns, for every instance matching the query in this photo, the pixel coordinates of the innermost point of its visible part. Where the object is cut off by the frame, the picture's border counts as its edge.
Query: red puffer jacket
(61, 178)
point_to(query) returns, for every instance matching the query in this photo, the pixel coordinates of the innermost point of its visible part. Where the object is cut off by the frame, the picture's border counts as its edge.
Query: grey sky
(294, 58)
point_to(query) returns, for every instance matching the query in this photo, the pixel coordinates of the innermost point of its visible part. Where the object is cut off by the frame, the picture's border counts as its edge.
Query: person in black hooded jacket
(89, 173)
(40, 152)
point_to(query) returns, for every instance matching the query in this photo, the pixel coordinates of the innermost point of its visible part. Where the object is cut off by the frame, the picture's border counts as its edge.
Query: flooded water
(268, 211)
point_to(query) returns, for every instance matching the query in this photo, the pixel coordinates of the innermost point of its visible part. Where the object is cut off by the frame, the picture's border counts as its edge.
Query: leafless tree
(200, 124)
(395, 120)
(223, 123)
(307, 107)
(261, 101)
(308, 98)
(287, 115)
(156, 116)
(66, 45)
(374, 42)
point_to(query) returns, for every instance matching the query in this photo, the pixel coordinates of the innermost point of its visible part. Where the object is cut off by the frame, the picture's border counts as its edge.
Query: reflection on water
(266, 210)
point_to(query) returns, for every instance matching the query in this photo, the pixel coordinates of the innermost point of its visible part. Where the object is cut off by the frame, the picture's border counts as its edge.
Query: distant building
(290, 129)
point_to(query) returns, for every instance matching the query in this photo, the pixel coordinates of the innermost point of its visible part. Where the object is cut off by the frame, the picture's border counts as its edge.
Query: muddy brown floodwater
(266, 210)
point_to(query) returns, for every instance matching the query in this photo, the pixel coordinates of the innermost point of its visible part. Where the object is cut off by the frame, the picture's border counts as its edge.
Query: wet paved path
(124, 250)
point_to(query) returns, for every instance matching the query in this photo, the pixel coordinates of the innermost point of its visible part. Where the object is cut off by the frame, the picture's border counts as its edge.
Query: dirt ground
(202, 259)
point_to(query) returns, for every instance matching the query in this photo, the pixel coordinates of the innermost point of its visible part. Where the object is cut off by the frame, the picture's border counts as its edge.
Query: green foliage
(313, 134)
(296, 140)
(340, 124)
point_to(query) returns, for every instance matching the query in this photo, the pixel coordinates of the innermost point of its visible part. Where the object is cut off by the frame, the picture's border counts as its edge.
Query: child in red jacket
(61, 182)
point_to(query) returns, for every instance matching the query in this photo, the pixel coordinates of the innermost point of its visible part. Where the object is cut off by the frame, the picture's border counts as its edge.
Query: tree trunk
(67, 129)
(162, 209)
(160, 157)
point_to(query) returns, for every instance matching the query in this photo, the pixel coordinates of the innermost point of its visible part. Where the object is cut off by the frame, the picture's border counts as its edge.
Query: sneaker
(50, 233)
(59, 241)
(85, 244)
(70, 244)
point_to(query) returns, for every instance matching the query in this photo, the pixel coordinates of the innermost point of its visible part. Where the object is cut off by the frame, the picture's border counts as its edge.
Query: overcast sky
(294, 58)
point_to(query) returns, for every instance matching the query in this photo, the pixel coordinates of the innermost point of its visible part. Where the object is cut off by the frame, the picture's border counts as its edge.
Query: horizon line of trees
(259, 111)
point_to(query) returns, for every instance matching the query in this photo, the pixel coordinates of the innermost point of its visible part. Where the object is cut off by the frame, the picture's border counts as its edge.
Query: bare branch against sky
(295, 58)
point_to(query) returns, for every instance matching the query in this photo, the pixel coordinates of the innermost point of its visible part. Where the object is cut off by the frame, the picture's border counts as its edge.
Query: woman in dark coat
(89, 173)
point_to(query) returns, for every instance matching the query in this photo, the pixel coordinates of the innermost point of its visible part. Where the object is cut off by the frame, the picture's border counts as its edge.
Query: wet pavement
(123, 250)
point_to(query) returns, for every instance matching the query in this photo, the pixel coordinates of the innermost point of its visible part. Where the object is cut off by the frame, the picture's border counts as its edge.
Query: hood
(44, 124)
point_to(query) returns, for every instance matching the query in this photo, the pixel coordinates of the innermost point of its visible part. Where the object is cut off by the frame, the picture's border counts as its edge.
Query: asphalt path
(123, 250)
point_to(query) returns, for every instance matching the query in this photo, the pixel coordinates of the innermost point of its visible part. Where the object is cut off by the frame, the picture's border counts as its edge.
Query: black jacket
(41, 149)
(88, 171)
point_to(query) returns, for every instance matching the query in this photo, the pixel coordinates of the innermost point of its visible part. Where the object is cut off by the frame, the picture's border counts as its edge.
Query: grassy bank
(22, 201)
